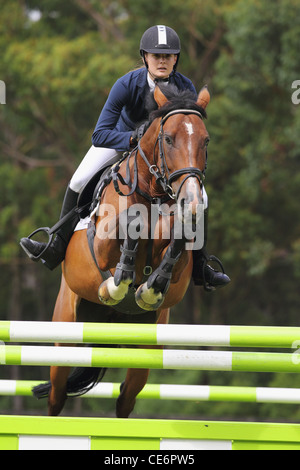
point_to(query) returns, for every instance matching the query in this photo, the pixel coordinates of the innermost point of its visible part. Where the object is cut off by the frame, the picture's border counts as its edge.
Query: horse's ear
(159, 97)
(203, 97)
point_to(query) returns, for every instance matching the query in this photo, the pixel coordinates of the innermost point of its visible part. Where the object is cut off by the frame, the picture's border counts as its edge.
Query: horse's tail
(80, 381)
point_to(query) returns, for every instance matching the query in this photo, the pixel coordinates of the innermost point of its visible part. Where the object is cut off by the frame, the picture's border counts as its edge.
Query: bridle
(162, 175)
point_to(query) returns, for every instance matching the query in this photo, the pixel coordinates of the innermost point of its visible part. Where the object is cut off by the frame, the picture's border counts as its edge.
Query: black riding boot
(203, 274)
(54, 253)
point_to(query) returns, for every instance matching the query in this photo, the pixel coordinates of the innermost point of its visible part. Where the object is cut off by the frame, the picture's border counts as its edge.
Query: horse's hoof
(104, 296)
(147, 299)
(110, 294)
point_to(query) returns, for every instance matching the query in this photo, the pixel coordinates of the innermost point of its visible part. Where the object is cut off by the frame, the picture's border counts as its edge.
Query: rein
(162, 176)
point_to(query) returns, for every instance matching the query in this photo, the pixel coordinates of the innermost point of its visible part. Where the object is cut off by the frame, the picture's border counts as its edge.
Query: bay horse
(166, 169)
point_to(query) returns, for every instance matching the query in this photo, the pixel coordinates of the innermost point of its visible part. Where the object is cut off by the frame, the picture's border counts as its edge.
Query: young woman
(116, 132)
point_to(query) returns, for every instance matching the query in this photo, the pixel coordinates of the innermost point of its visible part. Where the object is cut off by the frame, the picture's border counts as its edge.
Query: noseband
(163, 175)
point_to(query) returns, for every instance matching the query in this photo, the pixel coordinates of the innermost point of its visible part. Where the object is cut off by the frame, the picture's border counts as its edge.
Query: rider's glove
(138, 133)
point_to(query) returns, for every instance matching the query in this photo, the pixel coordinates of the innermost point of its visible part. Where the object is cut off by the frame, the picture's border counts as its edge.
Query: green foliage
(59, 61)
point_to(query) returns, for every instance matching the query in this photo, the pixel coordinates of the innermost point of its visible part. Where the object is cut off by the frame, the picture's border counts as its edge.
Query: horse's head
(181, 152)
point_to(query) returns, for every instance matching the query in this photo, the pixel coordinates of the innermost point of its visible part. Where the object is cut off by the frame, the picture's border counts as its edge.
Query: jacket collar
(142, 79)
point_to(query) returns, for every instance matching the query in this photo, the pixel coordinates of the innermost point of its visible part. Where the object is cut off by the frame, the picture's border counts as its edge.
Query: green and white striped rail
(172, 392)
(149, 358)
(24, 432)
(181, 335)
(173, 436)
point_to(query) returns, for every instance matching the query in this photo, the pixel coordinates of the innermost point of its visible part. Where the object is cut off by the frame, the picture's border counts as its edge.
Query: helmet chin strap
(162, 80)
(158, 80)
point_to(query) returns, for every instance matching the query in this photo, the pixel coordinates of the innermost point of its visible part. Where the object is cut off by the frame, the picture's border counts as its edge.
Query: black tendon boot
(203, 274)
(53, 253)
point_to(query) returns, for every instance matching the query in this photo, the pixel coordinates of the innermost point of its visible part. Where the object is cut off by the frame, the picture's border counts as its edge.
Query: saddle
(92, 191)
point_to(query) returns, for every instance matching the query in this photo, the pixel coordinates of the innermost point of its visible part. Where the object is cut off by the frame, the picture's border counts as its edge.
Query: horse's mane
(176, 100)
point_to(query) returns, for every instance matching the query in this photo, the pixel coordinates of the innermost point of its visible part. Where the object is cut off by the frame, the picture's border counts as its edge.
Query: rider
(116, 133)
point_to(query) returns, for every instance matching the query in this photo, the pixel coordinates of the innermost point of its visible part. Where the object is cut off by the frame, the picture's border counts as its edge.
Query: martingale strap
(116, 177)
(133, 185)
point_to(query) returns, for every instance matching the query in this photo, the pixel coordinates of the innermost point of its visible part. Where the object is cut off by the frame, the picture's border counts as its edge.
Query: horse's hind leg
(58, 393)
(136, 379)
(65, 310)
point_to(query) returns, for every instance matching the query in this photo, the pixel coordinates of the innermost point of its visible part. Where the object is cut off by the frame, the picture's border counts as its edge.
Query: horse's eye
(207, 140)
(168, 140)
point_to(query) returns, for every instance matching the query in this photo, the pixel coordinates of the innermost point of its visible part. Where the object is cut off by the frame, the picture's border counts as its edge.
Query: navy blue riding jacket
(125, 108)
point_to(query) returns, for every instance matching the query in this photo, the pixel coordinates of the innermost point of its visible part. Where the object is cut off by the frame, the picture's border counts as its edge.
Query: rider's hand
(138, 133)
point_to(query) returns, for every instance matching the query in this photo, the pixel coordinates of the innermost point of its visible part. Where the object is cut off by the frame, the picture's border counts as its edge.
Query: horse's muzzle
(190, 202)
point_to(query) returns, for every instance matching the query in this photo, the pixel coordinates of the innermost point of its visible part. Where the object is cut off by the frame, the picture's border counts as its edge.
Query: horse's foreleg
(151, 294)
(65, 310)
(114, 289)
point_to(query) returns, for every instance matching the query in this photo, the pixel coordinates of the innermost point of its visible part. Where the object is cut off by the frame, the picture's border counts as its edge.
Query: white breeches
(96, 159)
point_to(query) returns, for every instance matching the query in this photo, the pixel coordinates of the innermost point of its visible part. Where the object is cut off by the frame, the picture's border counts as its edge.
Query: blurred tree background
(59, 61)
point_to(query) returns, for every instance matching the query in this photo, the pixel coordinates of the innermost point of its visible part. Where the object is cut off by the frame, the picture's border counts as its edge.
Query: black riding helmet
(160, 39)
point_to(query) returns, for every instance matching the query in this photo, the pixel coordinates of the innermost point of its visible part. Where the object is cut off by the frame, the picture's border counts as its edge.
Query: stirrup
(50, 236)
(208, 287)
